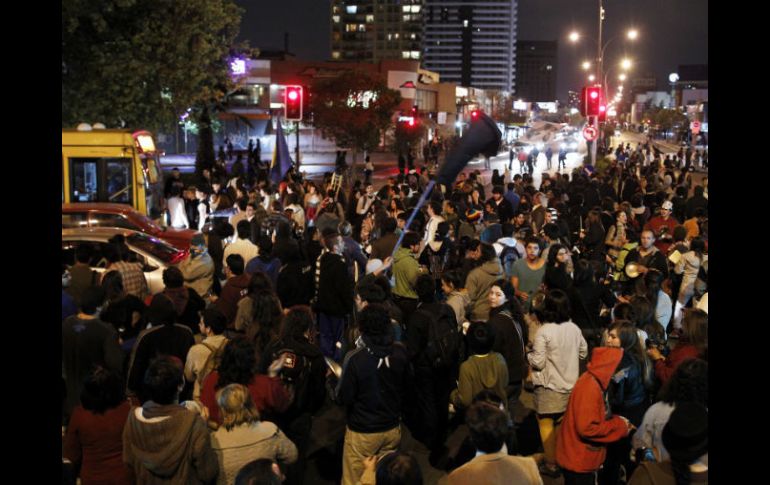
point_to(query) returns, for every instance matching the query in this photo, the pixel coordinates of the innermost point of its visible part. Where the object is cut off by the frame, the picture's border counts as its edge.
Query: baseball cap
(668, 205)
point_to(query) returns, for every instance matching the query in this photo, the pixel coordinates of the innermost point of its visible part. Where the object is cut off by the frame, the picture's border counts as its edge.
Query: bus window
(84, 180)
(119, 187)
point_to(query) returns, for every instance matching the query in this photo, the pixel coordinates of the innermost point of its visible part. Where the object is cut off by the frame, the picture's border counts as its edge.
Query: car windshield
(155, 247)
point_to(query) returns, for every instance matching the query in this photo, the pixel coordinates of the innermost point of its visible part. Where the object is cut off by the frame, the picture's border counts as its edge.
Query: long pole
(598, 77)
(296, 125)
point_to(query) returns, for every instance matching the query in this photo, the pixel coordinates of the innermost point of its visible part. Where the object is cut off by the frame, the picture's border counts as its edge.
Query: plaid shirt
(133, 278)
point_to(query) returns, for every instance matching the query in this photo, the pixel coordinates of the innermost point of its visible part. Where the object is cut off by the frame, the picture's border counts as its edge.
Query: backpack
(443, 348)
(212, 361)
(294, 375)
(508, 256)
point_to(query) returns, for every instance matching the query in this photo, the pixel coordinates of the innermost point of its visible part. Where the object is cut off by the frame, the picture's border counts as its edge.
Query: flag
(281, 159)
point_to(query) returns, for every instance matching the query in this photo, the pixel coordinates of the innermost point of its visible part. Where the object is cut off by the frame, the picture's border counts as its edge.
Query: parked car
(103, 214)
(155, 254)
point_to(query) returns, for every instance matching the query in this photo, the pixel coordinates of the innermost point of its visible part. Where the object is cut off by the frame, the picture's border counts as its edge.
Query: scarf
(179, 297)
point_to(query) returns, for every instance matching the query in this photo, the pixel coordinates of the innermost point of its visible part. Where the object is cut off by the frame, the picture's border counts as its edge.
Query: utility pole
(296, 126)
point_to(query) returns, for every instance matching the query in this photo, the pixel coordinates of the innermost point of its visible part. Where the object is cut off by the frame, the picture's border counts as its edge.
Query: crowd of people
(588, 292)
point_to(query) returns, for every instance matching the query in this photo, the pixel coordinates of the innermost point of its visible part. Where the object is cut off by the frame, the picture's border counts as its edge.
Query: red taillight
(180, 256)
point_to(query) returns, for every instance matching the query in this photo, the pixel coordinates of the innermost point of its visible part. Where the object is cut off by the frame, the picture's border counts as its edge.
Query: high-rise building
(374, 30)
(536, 70)
(471, 43)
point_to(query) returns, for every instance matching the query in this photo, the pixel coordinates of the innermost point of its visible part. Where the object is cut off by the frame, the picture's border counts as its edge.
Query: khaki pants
(363, 445)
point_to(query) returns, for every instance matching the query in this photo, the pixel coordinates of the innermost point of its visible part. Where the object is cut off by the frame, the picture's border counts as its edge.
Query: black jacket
(657, 261)
(586, 301)
(174, 340)
(371, 388)
(509, 342)
(295, 284)
(335, 288)
(417, 333)
(693, 203)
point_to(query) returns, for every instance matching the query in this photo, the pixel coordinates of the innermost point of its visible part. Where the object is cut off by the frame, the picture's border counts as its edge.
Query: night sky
(671, 32)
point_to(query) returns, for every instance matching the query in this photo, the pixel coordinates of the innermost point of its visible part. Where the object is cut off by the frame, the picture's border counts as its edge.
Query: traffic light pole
(594, 120)
(296, 126)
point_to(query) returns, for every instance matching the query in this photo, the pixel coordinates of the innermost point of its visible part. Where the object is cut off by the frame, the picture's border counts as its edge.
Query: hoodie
(373, 384)
(588, 425)
(236, 288)
(480, 372)
(478, 283)
(405, 272)
(168, 444)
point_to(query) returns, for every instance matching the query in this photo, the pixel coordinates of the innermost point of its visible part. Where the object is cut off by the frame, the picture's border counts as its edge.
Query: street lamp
(622, 77)
(586, 65)
(626, 63)
(673, 78)
(592, 78)
(574, 36)
(632, 34)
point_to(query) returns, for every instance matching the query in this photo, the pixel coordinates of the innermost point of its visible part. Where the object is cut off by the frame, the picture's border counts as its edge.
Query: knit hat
(686, 435)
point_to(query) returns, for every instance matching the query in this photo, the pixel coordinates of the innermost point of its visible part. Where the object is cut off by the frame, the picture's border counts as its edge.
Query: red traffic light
(593, 101)
(474, 115)
(293, 103)
(411, 122)
(602, 109)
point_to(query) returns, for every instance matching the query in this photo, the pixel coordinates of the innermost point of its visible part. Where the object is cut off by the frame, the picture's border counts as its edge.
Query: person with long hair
(586, 299)
(259, 282)
(555, 359)
(627, 395)
(556, 275)
(311, 202)
(688, 266)
(593, 234)
(616, 234)
(244, 437)
(239, 366)
(94, 438)
(506, 317)
(693, 342)
(650, 286)
(688, 384)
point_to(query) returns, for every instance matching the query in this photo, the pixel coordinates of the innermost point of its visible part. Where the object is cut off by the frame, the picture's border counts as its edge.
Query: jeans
(331, 329)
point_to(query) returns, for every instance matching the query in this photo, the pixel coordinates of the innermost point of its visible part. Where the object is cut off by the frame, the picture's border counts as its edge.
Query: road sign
(695, 127)
(589, 133)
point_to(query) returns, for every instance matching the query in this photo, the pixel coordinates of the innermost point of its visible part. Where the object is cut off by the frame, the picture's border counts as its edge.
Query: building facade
(536, 70)
(375, 30)
(471, 43)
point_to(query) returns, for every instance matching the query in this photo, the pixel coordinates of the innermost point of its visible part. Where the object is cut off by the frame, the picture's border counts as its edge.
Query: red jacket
(664, 368)
(586, 429)
(268, 394)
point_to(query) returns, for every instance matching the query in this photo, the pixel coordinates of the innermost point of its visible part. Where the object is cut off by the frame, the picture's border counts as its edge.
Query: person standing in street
(334, 294)
(372, 388)
(548, 156)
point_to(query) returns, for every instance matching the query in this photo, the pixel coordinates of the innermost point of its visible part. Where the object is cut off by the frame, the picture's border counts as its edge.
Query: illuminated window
(395, 36)
(350, 28)
(407, 8)
(415, 8)
(549, 68)
(361, 28)
(335, 9)
(415, 54)
(465, 23)
(335, 55)
(370, 19)
(336, 19)
(407, 18)
(352, 9)
(405, 54)
(390, 36)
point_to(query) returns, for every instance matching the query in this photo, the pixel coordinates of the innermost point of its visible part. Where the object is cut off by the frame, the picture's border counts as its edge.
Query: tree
(353, 109)
(143, 63)
(205, 156)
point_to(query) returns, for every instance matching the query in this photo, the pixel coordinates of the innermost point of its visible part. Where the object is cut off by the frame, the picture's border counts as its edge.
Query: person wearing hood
(198, 267)
(266, 262)
(588, 424)
(406, 269)
(234, 289)
(371, 387)
(163, 442)
(480, 280)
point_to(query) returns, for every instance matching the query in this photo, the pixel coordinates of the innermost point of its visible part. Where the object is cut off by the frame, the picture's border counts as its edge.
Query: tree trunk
(205, 156)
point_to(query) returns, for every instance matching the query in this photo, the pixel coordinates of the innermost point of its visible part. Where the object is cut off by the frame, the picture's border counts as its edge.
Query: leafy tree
(353, 109)
(142, 63)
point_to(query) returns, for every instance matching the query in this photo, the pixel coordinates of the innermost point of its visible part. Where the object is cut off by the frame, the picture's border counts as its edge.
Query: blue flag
(281, 158)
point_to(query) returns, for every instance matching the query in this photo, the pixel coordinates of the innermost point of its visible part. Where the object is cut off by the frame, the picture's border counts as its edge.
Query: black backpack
(443, 348)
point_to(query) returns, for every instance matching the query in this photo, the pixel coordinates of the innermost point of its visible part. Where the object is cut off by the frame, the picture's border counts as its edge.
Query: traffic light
(593, 101)
(292, 102)
(474, 115)
(414, 111)
(602, 112)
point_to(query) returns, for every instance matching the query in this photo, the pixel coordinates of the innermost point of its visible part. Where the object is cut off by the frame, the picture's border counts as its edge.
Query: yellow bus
(118, 166)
